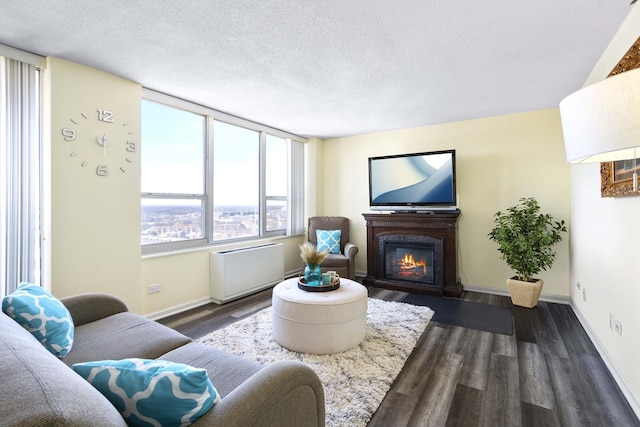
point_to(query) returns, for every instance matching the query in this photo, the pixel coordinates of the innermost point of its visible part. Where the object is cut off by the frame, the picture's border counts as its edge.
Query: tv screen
(413, 182)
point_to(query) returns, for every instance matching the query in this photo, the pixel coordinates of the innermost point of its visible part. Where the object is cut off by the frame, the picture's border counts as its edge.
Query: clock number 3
(131, 146)
(105, 116)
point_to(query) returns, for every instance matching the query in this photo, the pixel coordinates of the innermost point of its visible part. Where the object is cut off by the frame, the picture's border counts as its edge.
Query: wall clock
(100, 135)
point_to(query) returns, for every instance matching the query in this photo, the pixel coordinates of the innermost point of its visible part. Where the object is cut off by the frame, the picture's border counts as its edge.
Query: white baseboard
(558, 299)
(176, 309)
(617, 376)
(293, 273)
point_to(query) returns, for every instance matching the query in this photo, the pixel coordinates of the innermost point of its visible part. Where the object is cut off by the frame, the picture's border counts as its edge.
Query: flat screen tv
(413, 182)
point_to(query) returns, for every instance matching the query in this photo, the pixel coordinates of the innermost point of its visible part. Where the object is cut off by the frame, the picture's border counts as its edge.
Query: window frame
(264, 197)
(211, 116)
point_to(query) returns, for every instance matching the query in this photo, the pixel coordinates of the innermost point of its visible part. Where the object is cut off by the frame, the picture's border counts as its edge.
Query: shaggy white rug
(355, 381)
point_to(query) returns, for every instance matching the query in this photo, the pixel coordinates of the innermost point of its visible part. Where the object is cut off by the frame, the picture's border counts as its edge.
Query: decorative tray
(335, 284)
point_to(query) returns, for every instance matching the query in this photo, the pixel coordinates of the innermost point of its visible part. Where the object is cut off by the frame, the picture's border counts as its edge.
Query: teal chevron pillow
(328, 240)
(152, 392)
(43, 315)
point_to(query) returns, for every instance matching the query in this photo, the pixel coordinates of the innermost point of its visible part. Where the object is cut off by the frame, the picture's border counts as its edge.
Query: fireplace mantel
(441, 227)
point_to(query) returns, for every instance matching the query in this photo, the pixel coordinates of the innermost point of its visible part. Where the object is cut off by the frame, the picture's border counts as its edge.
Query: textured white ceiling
(335, 67)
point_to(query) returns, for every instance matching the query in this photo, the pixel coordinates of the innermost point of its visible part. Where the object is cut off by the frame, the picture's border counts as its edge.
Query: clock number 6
(69, 134)
(102, 170)
(105, 116)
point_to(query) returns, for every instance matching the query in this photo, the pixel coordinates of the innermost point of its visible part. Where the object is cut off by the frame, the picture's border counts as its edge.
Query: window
(208, 177)
(172, 182)
(276, 160)
(20, 174)
(236, 182)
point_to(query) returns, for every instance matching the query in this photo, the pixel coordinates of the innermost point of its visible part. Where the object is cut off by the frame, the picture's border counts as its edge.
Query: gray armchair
(343, 263)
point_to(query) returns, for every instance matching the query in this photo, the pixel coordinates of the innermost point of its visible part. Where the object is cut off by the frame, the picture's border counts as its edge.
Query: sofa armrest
(86, 308)
(285, 393)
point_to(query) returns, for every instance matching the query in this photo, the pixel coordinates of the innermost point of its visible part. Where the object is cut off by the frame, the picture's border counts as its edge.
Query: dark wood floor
(548, 373)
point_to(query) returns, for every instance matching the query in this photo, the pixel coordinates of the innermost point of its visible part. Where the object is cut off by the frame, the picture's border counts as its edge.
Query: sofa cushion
(328, 240)
(152, 392)
(226, 370)
(39, 390)
(43, 315)
(122, 336)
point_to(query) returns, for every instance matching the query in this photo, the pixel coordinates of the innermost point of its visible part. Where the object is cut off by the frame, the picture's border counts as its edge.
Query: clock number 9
(131, 146)
(105, 116)
(102, 170)
(69, 134)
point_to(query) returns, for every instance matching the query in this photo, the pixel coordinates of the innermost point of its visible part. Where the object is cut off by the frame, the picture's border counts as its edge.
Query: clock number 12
(105, 116)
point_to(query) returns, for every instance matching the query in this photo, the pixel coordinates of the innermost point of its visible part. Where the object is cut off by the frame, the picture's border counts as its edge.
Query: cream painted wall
(313, 176)
(499, 160)
(604, 251)
(95, 221)
(184, 277)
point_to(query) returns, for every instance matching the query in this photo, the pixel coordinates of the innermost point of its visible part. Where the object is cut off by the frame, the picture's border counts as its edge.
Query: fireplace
(413, 253)
(410, 263)
(410, 258)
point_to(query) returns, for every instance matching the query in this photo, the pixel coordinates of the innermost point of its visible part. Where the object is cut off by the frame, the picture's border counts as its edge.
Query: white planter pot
(524, 294)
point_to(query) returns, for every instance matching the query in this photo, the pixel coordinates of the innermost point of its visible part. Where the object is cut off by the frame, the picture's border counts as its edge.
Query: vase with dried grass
(312, 259)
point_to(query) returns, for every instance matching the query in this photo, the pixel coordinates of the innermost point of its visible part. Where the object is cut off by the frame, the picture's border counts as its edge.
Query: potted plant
(525, 238)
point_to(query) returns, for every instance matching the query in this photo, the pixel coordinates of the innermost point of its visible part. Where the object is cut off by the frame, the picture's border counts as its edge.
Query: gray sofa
(39, 389)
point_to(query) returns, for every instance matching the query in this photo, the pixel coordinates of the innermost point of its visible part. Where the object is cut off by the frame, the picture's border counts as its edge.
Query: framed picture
(616, 178)
(623, 170)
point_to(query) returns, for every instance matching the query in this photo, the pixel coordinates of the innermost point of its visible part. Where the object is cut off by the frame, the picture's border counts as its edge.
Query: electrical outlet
(152, 289)
(618, 327)
(612, 321)
(584, 294)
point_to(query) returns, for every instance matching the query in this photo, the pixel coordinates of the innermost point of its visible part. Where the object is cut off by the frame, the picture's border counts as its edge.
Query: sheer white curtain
(20, 178)
(296, 189)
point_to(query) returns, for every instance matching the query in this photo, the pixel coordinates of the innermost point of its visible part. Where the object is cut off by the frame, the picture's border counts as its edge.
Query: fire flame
(408, 262)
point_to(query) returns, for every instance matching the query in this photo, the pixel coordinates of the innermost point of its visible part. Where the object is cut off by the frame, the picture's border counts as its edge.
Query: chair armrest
(350, 250)
(86, 308)
(285, 393)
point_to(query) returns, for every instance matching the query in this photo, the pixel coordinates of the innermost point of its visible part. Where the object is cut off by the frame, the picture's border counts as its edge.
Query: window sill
(218, 247)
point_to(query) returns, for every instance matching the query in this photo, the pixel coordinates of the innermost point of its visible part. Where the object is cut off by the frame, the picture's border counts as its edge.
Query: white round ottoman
(319, 322)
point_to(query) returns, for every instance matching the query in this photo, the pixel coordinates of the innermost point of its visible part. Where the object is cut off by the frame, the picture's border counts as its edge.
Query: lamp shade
(601, 122)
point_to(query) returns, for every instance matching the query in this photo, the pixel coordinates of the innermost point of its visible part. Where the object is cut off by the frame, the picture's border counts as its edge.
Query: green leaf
(525, 237)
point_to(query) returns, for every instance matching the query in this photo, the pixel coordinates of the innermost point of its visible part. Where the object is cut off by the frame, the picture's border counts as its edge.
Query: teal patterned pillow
(328, 240)
(43, 315)
(152, 392)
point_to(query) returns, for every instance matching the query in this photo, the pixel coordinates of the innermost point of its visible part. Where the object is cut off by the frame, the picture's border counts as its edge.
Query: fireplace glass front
(410, 262)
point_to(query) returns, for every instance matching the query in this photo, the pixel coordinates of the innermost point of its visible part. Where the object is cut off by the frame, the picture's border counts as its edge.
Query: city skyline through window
(237, 191)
